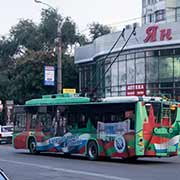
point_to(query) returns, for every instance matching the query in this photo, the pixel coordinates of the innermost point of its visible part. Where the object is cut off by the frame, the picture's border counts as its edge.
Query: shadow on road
(141, 161)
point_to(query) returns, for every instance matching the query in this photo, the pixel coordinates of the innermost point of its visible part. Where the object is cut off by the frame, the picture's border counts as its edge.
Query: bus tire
(92, 150)
(32, 146)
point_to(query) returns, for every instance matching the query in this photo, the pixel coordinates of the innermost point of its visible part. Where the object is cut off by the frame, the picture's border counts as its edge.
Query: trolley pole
(58, 42)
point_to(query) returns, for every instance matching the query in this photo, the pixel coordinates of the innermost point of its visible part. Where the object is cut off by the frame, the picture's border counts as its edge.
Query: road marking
(66, 170)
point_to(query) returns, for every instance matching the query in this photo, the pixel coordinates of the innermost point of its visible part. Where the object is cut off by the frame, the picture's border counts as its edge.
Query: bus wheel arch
(92, 150)
(32, 145)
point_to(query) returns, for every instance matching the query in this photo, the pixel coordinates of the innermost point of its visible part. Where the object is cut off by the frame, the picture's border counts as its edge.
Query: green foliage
(48, 26)
(70, 73)
(8, 48)
(26, 34)
(27, 77)
(97, 30)
(29, 48)
(68, 33)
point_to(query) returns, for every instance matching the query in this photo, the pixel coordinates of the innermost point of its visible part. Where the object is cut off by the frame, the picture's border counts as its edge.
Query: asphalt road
(20, 165)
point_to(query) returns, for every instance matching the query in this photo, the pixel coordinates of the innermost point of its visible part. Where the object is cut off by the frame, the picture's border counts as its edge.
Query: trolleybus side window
(82, 122)
(19, 119)
(60, 121)
(41, 118)
(20, 122)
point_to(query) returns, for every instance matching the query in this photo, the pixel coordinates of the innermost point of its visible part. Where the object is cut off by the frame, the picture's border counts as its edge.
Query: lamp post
(58, 42)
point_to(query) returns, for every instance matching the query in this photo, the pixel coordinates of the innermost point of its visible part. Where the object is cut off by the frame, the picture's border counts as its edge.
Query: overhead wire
(107, 55)
(132, 33)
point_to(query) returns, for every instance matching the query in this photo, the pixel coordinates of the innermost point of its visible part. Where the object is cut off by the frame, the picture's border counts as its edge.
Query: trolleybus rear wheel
(32, 146)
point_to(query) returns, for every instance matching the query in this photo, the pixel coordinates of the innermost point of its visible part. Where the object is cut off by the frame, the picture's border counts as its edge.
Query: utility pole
(58, 42)
(59, 57)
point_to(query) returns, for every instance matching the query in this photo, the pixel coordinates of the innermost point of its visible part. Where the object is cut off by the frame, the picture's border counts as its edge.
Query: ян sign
(154, 33)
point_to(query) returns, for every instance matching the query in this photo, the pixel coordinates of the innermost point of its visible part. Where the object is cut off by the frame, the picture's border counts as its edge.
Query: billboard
(49, 75)
(136, 90)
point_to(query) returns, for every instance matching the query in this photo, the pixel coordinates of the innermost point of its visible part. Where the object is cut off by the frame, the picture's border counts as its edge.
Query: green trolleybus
(115, 127)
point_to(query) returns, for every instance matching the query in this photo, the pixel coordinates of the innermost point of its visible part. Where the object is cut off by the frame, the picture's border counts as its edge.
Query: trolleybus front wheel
(92, 150)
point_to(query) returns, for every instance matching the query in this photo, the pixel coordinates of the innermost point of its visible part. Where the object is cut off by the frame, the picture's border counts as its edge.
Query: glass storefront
(159, 70)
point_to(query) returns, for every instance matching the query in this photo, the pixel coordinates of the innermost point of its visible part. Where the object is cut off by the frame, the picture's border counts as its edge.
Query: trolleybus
(115, 127)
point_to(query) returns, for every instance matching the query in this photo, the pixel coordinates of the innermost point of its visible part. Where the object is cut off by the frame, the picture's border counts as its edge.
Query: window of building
(160, 15)
(152, 53)
(178, 14)
(82, 78)
(122, 90)
(166, 52)
(130, 56)
(165, 69)
(140, 71)
(177, 94)
(140, 55)
(114, 93)
(177, 51)
(144, 3)
(107, 91)
(122, 72)
(150, 18)
(88, 77)
(151, 69)
(114, 74)
(152, 89)
(107, 76)
(144, 19)
(177, 68)
(122, 58)
(130, 72)
(177, 84)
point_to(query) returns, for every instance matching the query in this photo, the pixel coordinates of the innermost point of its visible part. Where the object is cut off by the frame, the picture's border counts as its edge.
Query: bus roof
(121, 99)
(65, 99)
(57, 99)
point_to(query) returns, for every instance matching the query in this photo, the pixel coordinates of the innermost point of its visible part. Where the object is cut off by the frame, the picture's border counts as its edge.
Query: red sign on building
(136, 90)
(154, 32)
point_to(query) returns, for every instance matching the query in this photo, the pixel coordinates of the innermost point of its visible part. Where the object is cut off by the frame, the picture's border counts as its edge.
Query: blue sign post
(49, 75)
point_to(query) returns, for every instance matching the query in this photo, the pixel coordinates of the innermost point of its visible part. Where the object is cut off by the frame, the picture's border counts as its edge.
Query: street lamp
(58, 42)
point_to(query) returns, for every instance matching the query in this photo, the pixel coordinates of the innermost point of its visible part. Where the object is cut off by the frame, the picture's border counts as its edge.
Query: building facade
(160, 11)
(148, 65)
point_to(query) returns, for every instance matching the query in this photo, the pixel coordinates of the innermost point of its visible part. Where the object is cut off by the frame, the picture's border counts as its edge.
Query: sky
(83, 12)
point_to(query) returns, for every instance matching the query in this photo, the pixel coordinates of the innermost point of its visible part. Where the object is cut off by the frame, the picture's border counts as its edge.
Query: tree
(26, 35)
(97, 30)
(28, 49)
(27, 78)
(70, 73)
